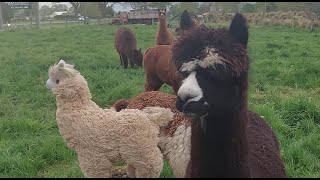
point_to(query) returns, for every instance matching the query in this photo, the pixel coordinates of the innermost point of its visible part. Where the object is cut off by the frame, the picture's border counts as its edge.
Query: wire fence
(31, 23)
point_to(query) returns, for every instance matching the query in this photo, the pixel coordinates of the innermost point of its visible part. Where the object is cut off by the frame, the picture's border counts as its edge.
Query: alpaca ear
(61, 63)
(239, 28)
(165, 9)
(140, 50)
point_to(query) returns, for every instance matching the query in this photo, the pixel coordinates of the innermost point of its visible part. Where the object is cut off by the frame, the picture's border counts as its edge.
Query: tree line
(105, 9)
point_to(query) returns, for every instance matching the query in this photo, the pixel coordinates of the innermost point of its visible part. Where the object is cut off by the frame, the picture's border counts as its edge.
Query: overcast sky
(116, 7)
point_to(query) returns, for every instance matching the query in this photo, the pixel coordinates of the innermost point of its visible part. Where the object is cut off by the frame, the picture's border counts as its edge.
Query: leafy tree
(248, 8)
(189, 6)
(109, 12)
(59, 7)
(159, 4)
(203, 7)
(271, 6)
(137, 5)
(172, 9)
(7, 13)
(91, 9)
(94, 9)
(228, 6)
(45, 10)
(290, 6)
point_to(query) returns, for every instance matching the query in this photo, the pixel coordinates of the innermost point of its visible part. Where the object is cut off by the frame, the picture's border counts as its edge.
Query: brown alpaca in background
(164, 36)
(126, 45)
(159, 69)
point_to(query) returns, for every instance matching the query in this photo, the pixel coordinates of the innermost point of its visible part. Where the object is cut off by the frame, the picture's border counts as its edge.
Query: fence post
(66, 21)
(1, 21)
(37, 15)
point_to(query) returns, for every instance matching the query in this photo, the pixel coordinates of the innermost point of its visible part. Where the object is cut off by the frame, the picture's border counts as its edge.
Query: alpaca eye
(57, 81)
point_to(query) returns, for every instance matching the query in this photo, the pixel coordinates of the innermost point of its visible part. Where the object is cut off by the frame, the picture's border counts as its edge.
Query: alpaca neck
(75, 103)
(219, 148)
(162, 25)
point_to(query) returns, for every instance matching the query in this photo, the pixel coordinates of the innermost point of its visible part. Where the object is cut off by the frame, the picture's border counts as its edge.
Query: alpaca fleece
(159, 69)
(175, 137)
(227, 139)
(102, 136)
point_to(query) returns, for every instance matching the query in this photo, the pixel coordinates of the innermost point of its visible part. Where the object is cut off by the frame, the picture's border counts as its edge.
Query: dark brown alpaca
(186, 22)
(126, 45)
(164, 36)
(227, 140)
(159, 69)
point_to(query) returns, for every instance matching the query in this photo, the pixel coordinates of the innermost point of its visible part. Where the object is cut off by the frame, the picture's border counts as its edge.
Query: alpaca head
(138, 57)
(212, 62)
(66, 82)
(185, 20)
(162, 13)
(58, 73)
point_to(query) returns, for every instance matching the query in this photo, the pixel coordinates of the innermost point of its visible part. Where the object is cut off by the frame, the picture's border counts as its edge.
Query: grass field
(284, 88)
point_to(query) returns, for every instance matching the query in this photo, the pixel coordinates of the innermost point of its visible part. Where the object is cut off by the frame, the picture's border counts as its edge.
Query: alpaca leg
(94, 164)
(150, 164)
(125, 61)
(152, 83)
(146, 157)
(131, 171)
(131, 63)
(120, 59)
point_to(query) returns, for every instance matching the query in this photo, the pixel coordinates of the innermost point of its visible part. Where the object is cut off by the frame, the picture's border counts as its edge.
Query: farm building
(146, 16)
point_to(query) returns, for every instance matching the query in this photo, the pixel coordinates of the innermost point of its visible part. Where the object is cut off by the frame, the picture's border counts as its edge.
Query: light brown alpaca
(164, 36)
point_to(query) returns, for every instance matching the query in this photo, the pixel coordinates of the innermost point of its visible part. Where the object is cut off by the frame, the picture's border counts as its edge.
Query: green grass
(284, 88)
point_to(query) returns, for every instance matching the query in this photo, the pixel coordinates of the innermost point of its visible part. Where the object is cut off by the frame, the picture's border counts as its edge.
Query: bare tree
(105, 5)
(76, 6)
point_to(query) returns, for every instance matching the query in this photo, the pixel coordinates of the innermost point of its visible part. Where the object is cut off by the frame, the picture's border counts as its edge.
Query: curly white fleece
(101, 137)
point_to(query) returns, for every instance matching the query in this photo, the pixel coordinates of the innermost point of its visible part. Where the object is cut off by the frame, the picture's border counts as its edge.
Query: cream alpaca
(100, 136)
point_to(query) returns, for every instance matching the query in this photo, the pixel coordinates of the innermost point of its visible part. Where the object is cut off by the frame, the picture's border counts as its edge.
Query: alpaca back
(158, 99)
(158, 60)
(265, 159)
(125, 41)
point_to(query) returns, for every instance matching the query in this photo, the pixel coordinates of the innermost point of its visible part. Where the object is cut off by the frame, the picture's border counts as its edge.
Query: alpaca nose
(199, 108)
(179, 104)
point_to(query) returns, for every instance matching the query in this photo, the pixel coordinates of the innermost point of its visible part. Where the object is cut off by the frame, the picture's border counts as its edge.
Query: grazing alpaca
(227, 140)
(175, 137)
(159, 69)
(126, 45)
(103, 136)
(164, 36)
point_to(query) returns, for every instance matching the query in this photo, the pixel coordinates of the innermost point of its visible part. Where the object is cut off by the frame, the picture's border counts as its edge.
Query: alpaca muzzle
(193, 108)
(50, 84)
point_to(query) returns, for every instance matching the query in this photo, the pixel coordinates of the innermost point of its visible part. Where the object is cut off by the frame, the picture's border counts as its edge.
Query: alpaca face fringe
(211, 59)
